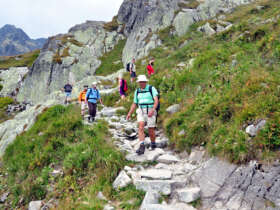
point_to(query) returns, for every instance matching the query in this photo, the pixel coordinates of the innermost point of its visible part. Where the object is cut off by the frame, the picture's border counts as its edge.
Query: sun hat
(94, 83)
(142, 78)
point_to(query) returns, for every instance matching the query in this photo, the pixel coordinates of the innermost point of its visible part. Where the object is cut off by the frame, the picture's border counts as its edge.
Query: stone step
(156, 174)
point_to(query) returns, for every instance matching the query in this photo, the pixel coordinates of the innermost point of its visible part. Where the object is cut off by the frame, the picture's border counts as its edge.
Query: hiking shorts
(133, 74)
(68, 94)
(142, 116)
(83, 105)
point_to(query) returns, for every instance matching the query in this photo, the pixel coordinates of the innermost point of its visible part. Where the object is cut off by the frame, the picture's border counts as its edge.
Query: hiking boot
(141, 149)
(89, 118)
(153, 146)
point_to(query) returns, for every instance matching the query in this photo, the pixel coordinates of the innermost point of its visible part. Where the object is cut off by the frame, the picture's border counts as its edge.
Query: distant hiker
(82, 100)
(150, 67)
(92, 96)
(68, 91)
(122, 86)
(132, 69)
(146, 98)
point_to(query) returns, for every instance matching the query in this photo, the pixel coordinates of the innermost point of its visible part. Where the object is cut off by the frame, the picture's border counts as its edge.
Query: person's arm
(151, 113)
(99, 98)
(86, 101)
(132, 109)
(80, 98)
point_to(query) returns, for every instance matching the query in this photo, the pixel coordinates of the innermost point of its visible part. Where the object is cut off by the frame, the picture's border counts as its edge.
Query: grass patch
(59, 139)
(218, 99)
(23, 60)
(4, 102)
(107, 66)
(192, 4)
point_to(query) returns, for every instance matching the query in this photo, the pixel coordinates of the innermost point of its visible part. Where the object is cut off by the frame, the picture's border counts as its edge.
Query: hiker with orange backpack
(122, 86)
(82, 100)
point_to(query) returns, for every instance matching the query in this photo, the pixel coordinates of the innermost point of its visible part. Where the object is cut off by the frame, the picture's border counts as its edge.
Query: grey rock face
(184, 20)
(12, 79)
(84, 43)
(188, 195)
(21, 122)
(141, 19)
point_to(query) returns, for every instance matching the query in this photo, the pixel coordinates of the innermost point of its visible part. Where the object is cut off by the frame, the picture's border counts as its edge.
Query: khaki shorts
(142, 116)
(84, 105)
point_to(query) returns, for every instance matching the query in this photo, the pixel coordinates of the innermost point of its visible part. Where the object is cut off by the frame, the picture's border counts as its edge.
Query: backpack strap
(151, 91)
(91, 92)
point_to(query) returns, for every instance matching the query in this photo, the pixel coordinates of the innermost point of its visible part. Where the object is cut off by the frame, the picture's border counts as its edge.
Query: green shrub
(107, 60)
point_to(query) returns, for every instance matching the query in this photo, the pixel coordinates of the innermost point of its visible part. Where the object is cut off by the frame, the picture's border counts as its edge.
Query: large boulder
(35, 205)
(122, 180)
(184, 20)
(173, 109)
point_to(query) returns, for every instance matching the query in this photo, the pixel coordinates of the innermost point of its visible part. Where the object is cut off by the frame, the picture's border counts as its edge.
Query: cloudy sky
(43, 18)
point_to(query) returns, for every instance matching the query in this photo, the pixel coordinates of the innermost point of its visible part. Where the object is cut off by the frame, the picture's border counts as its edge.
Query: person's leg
(141, 132)
(90, 110)
(83, 108)
(94, 112)
(152, 134)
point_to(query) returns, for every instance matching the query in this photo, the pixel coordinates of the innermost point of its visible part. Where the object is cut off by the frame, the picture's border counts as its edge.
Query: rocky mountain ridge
(74, 56)
(14, 41)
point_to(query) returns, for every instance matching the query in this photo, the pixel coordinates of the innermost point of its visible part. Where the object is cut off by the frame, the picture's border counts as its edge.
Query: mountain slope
(14, 41)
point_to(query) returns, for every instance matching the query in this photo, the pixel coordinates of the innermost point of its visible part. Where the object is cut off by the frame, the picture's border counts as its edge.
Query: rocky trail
(181, 181)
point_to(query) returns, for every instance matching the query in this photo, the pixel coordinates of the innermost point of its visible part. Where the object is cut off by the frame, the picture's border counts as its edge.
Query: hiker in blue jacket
(92, 97)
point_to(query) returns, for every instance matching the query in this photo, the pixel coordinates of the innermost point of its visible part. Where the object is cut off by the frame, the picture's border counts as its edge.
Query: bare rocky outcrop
(11, 80)
(67, 58)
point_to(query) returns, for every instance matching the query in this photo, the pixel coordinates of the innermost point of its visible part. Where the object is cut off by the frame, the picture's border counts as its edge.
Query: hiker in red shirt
(150, 67)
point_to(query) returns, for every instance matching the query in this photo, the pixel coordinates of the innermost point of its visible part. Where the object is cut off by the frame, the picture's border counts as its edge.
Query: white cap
(94, 83)
(142, 78)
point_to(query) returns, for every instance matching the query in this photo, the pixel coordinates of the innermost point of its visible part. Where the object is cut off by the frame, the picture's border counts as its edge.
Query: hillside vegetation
(233, 82)
(4, 102)
(26, 59)
(59, 141)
